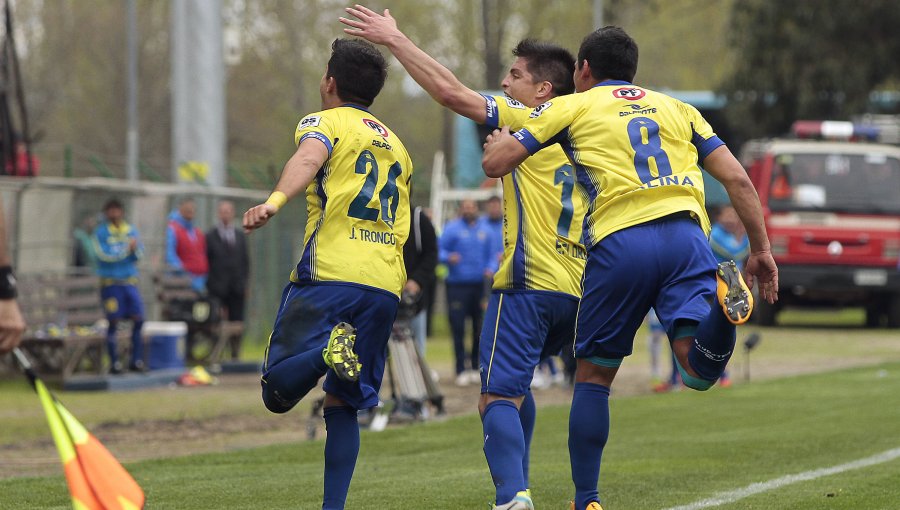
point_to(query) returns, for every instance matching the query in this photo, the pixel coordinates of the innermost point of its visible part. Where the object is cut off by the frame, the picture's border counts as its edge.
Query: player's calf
(339, 354)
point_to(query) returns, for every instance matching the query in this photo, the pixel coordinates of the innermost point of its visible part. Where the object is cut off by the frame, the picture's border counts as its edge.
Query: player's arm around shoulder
(722, 165)
(298, 173)
(502, 153)
(443, 86)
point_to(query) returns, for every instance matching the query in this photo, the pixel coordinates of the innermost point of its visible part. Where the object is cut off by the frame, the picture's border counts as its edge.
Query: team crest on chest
(378, 128)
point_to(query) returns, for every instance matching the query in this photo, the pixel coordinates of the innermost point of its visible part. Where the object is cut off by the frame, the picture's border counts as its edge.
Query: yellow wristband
(277, 199)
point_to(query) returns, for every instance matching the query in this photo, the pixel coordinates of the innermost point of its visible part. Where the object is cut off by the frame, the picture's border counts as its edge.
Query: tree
(812, 60)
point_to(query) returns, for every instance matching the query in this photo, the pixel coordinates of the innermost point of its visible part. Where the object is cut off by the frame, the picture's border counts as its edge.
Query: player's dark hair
(548, 62)
(113, 204)
(611, 53)
(358, 69)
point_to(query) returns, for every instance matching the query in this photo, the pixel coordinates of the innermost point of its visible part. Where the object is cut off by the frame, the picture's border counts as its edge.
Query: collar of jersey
(612, 82)
(358, 107)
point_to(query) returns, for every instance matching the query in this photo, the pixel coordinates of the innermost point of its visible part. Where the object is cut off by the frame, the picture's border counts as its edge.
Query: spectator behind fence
(229, 267)
(186, 245)
(83, 253)
(12, 325)
(118, 249)
(420, 255)
(492, 222)
(463, 247)
(19, 164)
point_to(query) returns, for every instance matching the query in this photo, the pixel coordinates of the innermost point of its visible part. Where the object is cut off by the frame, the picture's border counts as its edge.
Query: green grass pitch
(664, 451)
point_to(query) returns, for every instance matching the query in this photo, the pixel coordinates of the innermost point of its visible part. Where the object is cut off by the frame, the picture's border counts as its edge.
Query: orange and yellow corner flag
(96, 479)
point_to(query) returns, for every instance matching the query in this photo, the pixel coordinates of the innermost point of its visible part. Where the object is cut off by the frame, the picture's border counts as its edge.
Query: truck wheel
(764, 313)
(893, 312)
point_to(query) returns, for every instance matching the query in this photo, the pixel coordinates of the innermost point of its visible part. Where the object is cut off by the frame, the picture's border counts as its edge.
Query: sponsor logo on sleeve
(490, 105)
(309, 122)
(375, 126)
(629, 93)
(540, 109)
(514, 104)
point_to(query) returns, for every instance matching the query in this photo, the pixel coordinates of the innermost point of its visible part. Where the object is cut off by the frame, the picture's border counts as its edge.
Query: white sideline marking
(759, 487)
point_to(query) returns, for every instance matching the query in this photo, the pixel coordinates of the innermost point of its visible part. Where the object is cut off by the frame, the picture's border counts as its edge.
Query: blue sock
(290, 380)
(341, 450)
(713, 345)
(527, 415)
(588, 431)
(137, 342)
(504, 448)
(111, 346)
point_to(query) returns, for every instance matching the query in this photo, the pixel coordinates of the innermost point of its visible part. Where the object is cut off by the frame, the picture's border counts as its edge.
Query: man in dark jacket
(420, 255)
(229, 263)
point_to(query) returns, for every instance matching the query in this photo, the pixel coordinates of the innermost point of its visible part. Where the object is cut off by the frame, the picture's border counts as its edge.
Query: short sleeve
(702, 135)
(318, 126)
(504, 111)
(545, 122)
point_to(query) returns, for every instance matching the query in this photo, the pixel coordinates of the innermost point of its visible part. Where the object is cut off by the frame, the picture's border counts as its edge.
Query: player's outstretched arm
(722, 165)
(298, 172)
(502, 153)
(436, 79)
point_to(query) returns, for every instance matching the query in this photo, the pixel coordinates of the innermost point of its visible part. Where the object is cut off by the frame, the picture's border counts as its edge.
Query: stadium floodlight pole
(598, 14)
(131, 167)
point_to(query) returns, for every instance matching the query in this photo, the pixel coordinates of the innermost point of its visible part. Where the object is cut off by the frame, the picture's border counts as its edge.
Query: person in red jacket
(186, 244)
(23, 163)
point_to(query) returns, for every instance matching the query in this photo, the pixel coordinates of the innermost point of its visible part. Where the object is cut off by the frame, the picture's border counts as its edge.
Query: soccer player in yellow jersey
(532, 310)
(637, 152)
(355, 173)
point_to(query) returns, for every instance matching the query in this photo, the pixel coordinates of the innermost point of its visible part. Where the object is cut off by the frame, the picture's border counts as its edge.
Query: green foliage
(664, 450)
(808, 60)
(73, 60)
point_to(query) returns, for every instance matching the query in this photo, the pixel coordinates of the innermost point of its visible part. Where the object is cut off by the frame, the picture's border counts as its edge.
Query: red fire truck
(832, 211)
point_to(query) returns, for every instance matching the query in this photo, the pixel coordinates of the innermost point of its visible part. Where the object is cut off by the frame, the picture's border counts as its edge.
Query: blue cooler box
(167, 344)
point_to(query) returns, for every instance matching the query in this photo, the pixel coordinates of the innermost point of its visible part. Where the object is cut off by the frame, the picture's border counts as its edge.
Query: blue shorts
(520, 329)
(122, 301)
(304, 322)
(665, 264)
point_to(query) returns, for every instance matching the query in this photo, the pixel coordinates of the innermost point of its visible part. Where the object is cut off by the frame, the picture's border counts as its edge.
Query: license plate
(870, 277)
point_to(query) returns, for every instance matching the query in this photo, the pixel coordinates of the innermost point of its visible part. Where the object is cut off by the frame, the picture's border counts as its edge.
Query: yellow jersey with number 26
(358, 204)
(634, 150)
(543, 211)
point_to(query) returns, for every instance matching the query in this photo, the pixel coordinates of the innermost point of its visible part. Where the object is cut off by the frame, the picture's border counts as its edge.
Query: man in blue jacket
(464, 248)
(118, 250)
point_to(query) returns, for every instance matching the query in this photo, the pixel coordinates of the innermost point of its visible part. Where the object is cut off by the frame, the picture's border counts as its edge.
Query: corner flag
(96, 479)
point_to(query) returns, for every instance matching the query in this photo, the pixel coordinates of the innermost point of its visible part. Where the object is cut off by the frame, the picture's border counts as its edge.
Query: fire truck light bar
(834, 130)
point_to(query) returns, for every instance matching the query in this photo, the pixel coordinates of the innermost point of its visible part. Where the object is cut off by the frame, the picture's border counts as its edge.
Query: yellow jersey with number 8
(634, 150)
(358, 204)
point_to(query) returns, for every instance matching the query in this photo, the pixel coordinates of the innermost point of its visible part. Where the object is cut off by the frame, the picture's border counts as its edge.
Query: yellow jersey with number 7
(543, 212)
(635, 151)
(358, 204)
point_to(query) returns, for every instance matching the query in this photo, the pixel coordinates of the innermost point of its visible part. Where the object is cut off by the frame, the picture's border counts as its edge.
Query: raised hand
(371, 26)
